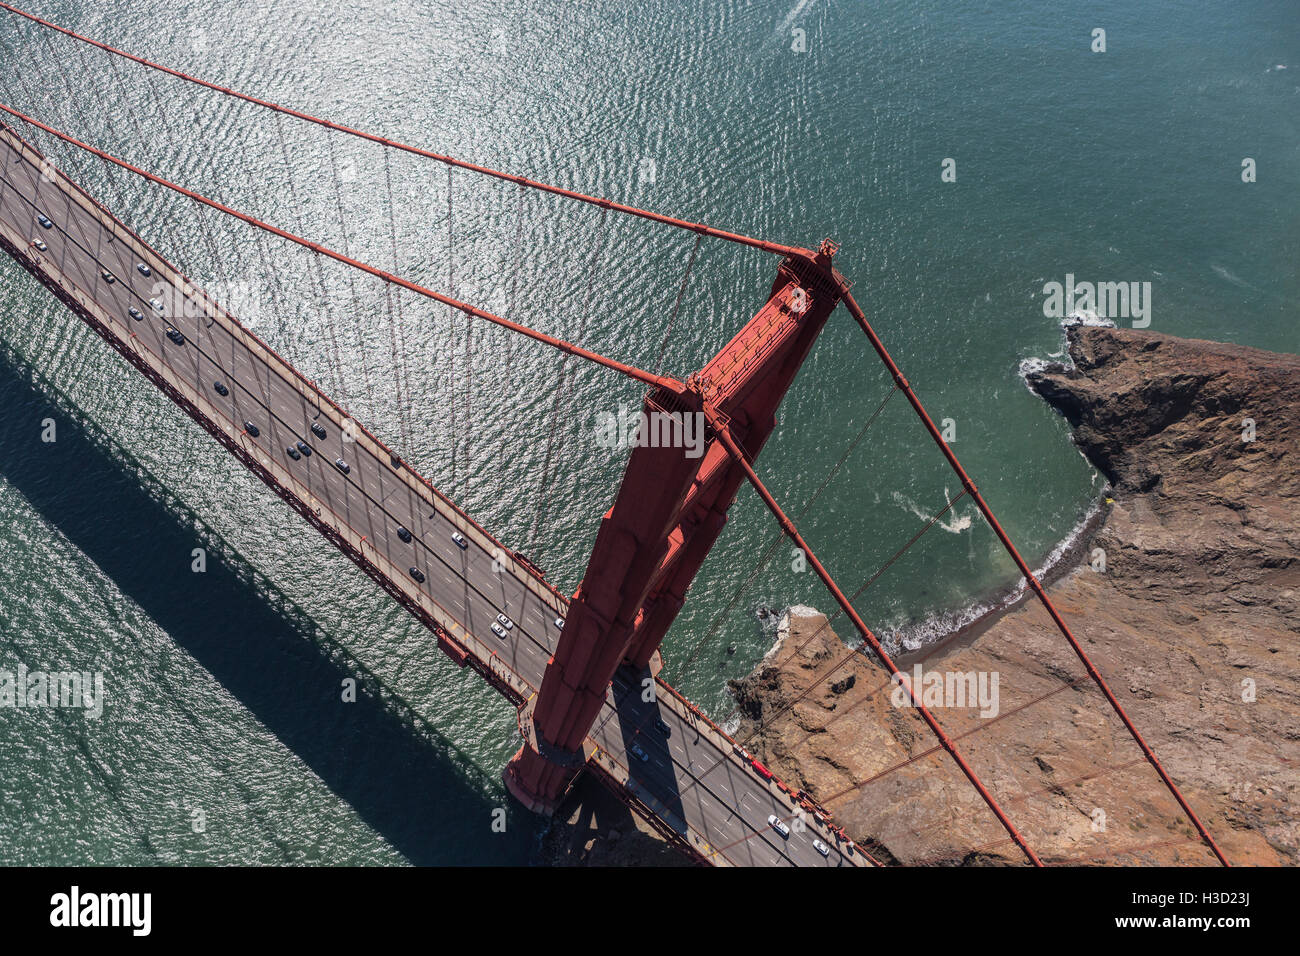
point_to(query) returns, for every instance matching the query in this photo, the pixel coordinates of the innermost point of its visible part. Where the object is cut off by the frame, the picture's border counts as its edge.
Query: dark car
(305, 449)
(417, 574)
(395, 462)
(318, 429)
(108, 276)
(252, 429)
(404, 534)
(342, 465)
(220, 389)
(45, 222)
(662, 727)
(174, 334)
(292, 453)
(135, 313)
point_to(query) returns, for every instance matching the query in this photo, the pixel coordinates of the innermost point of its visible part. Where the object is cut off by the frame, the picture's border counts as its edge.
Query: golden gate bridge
(576, 667)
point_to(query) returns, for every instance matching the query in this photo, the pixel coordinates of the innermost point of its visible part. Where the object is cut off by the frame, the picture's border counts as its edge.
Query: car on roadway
(44, 220)
(175, 335)
(144, 270)
(404, 534)
(40, 245)
(636, 751)
(559, 622)
(318, 429)
(499, 631)
(253, 430)
(292, 453)
(216, 386)
(662, 727)
(821, 847)
(342, 465)
(305, 449)
(777, 824)
(460, 540)
(107, 276)
(135, 313)
(417, 574)
(156, 304)
(505, 622)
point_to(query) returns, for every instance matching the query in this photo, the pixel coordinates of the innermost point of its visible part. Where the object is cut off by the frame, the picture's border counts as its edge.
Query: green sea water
(224, 739)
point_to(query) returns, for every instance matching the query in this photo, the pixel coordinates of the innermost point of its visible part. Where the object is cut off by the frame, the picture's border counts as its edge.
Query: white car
(144, 270)
(776, 824)
(505, 622)
(559, 622)
(156, 304)
(40, 244)
(821, 848)
(460, 540)
(499, 631)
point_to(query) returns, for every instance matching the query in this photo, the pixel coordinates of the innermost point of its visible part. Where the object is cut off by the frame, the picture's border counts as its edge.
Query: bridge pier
(670, 508)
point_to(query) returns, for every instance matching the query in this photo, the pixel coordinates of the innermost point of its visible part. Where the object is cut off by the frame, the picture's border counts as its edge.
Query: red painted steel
(738, 455)
(649, 378)
(773, 247)
(303, 379)
(666, 517)
(1030, 579)
(672, 508)
(445, 641)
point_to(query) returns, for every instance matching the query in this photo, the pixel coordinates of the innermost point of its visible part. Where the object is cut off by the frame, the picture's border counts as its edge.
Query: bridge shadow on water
(406, 781)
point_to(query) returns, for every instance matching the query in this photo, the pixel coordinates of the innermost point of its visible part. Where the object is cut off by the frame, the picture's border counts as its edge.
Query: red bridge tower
(668, 513)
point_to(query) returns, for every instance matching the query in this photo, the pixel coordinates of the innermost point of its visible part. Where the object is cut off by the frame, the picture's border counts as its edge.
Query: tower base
(538, 783)
(539, 775)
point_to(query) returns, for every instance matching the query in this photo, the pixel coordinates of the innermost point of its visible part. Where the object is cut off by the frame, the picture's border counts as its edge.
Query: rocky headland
(1193, 618)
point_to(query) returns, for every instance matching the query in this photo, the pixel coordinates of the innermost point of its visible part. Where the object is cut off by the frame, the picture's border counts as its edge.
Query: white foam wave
(1029, 366)
(919, 634)
(956, 525)
(1236, 280)
(1086, 317)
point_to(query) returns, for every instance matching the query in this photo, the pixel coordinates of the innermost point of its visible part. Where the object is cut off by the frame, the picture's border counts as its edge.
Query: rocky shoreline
(1194, 619)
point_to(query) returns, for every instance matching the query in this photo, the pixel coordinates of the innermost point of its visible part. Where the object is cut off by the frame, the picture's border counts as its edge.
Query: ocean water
(224, 738)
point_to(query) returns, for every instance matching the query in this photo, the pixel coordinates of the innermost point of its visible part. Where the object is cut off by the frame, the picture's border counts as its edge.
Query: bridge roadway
(694, 783)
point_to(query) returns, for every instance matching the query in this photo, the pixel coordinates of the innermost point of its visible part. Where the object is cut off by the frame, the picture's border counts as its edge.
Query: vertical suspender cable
(327, 301)
(681, 292)
(451, 333)
(561, 392)
(352, 284)
(396, 325)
